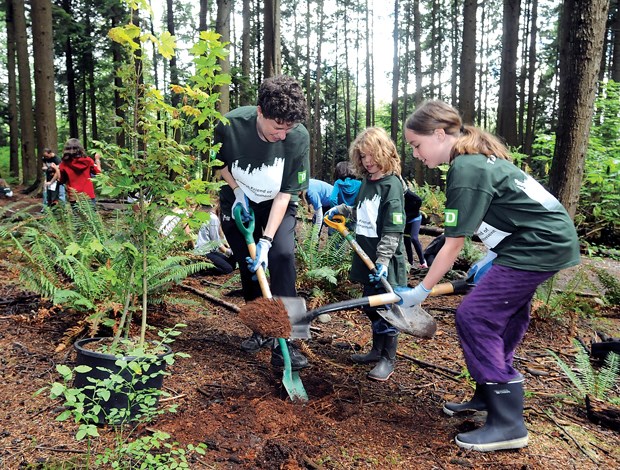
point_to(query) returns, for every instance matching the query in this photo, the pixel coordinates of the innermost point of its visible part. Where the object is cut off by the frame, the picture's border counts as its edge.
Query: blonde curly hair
(374, 141)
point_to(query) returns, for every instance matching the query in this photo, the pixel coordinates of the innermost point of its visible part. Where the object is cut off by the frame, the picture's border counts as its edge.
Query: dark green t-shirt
(380, 209)
(262, 169)
(512, 214)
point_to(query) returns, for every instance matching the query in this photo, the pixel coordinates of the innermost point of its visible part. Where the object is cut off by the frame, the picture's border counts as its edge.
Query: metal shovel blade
(411, 320)
(290, 378)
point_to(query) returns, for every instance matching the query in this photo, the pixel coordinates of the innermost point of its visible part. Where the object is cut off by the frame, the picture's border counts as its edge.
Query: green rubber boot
(385, 367)
(374, 354)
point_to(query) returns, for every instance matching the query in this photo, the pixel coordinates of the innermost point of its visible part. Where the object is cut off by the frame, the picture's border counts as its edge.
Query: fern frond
(608, 375)
(572, 376)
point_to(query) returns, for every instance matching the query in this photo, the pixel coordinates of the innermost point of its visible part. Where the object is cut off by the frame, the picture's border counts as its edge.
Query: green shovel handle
(247, 232)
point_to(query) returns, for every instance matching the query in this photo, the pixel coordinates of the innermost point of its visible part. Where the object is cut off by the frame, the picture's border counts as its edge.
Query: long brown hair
(432, 115)
(376, 142)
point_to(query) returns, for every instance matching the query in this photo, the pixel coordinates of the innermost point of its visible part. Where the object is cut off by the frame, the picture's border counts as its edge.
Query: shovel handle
(260, 274)
(248, 234)
(338, 222)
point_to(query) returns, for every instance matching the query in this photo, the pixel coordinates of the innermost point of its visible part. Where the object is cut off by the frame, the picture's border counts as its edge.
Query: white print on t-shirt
(489, 235)
(536, 192)
(367, 214)
(261, 183)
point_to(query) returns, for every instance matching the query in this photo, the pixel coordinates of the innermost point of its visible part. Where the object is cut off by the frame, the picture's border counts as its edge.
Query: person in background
(76, 169)
(346, 186)
(5, 189)
(212, 243)
(318, 196)
(413, 202)
(379, 214)
(265, 153)
(533, 237)
(53, 191)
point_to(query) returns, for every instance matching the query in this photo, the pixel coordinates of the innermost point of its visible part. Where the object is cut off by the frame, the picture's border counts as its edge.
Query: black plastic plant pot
(125, 391)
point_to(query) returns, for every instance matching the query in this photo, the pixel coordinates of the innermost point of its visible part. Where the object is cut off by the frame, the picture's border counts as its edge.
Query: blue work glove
(241, 199)
(410, 297)
(262, 258)
(381, 270)
(480, 268)
(332, 212)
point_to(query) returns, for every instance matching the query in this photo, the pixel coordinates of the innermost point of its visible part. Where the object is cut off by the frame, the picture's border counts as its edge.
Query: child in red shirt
(76, 169)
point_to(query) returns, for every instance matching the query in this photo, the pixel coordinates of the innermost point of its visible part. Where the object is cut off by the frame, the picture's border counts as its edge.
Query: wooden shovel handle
(260, 274)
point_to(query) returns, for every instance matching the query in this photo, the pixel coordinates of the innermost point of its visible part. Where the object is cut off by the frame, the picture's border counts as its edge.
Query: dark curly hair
(282, 99)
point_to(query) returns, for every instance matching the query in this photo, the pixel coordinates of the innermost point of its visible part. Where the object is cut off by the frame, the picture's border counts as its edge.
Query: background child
(346, 186)
(76, 169)
(212, 244)
(380, 220)
(413, 202)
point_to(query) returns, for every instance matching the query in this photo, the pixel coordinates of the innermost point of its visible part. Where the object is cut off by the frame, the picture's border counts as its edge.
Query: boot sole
(493, 446)
(380, 379)
(468, 411)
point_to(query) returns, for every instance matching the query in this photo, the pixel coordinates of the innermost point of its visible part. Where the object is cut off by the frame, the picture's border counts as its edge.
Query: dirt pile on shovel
(267, 317)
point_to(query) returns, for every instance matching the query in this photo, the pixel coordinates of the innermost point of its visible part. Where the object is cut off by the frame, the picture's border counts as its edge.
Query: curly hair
(281, 98)
(375, 141)
(432, 115)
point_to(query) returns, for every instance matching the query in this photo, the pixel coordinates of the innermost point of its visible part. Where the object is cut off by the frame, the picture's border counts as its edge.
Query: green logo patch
(301, 177)
(451, 217)
(397, 218)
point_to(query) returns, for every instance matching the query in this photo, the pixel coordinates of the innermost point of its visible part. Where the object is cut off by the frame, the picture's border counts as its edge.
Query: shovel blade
(298, 317)
(413, 321)
(290, 379)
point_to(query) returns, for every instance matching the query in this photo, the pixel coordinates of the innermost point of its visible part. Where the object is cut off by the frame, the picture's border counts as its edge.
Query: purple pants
(492, 320)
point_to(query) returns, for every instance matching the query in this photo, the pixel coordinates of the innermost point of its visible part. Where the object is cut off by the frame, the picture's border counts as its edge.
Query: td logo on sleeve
(451, 217)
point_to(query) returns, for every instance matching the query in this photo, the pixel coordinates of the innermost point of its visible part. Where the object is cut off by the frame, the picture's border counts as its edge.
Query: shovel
(411, 320)
(290, 378)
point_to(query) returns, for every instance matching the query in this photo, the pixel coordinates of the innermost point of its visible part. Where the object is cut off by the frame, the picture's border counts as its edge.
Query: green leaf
(83, 369)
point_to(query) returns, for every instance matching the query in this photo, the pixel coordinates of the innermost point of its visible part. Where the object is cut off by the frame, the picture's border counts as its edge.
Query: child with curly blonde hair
(380, 221)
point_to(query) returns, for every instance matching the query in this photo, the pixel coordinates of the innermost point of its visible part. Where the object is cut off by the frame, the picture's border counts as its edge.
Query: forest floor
(234, 402)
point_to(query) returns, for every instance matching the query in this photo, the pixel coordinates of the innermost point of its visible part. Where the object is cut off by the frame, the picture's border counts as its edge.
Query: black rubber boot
(477, 403)
(298, 360)
(253, 343)
(505, 428)
(385, 367)
(374, 354)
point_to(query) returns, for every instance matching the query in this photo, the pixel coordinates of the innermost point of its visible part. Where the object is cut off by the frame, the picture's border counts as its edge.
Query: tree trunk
(368, 79)
(117, 59)
(245, 96)
(222, 26)
(272, 52)
(507, 104)
(582, 26)
(175, 98)
(615, 61)
(394, 117)
(72, 111)
(467, 88)
(418, 166)
(30, 165)
(44, 88)
(13, 114)
(347, 77)
(531, 74)
(317, 164)
(90, 77)
(202, 15)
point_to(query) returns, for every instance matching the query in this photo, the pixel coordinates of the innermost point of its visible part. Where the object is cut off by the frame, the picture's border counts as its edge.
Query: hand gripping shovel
(290, 378)
(411, 320)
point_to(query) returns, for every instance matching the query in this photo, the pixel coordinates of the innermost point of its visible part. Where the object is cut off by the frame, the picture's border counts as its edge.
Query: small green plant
(322, 265)
(557, 303)
(152, 452)
(611, 285)
(588, 381)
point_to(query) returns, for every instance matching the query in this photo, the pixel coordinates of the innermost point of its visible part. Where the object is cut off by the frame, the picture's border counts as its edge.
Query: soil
(234, 401)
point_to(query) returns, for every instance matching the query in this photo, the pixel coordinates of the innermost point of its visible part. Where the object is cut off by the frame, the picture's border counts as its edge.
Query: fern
(588, 381)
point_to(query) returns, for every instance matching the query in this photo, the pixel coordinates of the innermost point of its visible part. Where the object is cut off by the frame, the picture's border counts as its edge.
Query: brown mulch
(234, 401)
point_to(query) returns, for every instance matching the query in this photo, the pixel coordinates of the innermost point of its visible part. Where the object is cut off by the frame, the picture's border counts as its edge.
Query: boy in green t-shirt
(265, 151)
